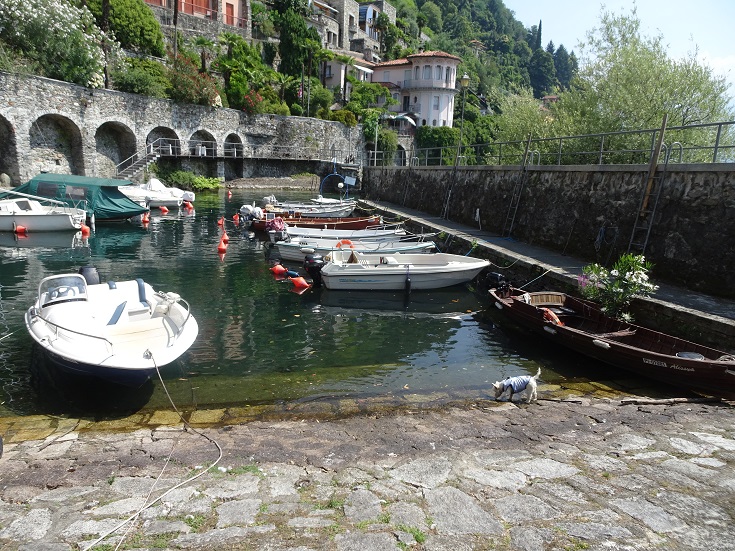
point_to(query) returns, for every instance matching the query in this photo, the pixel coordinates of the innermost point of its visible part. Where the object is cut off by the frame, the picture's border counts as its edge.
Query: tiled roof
(407, 60)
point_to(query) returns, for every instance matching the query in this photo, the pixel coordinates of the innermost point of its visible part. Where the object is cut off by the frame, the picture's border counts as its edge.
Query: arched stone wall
(56, 146)
(8, 158)
(114, 142)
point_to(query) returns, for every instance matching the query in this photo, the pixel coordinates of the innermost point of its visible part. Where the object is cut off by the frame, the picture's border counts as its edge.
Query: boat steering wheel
(63, 292)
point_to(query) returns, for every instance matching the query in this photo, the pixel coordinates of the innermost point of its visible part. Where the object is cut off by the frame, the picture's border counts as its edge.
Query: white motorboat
(297, 249)
(324, 208)
(350, 270)
(154, 194)
(118, 331)
(28, 213)
(384, 233)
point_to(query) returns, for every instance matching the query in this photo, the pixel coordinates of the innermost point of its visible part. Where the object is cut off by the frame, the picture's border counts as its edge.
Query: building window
(329, 72)
(438, 72)
(427, 72)
(433, 123)
(436, 104)
(449, 75)
(417, 72)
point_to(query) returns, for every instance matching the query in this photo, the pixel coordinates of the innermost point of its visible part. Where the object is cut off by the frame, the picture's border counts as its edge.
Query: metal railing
(700, 143)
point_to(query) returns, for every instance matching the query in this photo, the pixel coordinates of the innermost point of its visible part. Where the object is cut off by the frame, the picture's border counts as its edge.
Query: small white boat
(324, 208)
(350, 270)
(393, 232)
(297, 249)
(118, 331)
(28, 213)
(155, 194)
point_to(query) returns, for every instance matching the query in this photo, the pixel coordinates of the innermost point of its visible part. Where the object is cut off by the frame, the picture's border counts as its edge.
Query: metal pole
(375, 146)
(464, 82)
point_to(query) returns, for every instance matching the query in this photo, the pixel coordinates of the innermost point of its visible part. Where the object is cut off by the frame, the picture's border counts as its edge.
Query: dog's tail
(538, 374)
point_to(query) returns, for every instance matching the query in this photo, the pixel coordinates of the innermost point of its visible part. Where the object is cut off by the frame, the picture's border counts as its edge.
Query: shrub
(615, 289)
(296, 109)
(141, 76)
(275, 107)
(251, 102)
(345, 117)
(186, 180)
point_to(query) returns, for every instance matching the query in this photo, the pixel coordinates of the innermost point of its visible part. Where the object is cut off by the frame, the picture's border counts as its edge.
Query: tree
(204, 45)
(565, 66)
(542, 74)
(632, 83)
(133, 24)
(293, 47)
(430, 16)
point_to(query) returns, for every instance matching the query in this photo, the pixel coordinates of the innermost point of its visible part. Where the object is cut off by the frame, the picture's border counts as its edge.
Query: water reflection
(259, 342)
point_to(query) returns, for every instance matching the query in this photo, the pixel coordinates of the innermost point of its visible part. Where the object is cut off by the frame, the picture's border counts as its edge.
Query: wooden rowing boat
(581, 326)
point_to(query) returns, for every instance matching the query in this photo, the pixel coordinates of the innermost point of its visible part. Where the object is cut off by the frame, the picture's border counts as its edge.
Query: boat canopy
(98, 196)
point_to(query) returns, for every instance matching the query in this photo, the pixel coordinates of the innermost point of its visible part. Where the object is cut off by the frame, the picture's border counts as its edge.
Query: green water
(259, 342)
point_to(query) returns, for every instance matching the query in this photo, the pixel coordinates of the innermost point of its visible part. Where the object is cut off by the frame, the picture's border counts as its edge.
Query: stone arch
(55, 146)
(164, 141)
(8, 153)
(114, 143)
(202, 144)
(202, 151)
(233, 154)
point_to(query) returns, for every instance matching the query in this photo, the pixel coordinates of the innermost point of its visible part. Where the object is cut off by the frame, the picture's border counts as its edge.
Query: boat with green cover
(99, 197)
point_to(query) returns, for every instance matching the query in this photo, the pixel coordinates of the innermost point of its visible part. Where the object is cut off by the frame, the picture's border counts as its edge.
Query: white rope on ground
(164, 494)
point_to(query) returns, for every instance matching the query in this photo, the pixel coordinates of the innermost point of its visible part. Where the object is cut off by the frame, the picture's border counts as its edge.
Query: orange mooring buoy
(299, 282)
(163, 209)
(236, 218)
(221, 221)
(222, 247)
(225, 238)
(20, 230)
(278, 269)
(146, 217)
(85, 230)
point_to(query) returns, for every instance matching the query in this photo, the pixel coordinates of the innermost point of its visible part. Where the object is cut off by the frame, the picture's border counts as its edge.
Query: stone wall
(587, 211)
(47, 125)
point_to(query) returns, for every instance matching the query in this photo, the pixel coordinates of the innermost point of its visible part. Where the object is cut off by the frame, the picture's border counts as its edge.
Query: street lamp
(464, 82)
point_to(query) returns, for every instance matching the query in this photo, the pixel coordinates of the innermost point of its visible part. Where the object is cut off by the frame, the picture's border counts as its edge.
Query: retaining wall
(587, 211)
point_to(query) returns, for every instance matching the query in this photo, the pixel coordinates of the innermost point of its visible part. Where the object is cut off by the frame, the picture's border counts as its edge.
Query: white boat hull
(121, 333)
(399, 272)
(298, 249)
(35, 217)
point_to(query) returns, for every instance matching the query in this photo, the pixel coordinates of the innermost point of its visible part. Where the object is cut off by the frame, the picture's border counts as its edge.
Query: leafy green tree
(189, 85)
(293, 49)
(301, 7)
(205, 47)
(432, 16)
(541, 72)
(631, 82)
(133, 24)
(59, 39)
(263, 24)
(565, 65)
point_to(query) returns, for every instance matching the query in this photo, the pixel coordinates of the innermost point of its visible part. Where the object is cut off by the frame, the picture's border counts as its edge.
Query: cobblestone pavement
(566, 474)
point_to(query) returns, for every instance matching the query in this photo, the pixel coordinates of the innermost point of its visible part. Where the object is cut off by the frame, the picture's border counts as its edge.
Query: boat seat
(117, 313)
(547, 299)
(613, 334)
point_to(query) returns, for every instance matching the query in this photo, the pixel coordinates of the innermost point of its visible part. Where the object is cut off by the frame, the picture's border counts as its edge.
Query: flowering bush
(251, 102)
(59, 36)
(615, 289)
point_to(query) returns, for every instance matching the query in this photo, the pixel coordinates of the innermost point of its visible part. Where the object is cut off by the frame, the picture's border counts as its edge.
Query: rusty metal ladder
(515, 198)
(649, 199)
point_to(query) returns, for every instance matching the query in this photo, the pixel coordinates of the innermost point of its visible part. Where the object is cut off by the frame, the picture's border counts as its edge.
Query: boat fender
(346, 243)
(299, 282)
(551, 317)
(601, 344)
(141, 291)
(407, 286)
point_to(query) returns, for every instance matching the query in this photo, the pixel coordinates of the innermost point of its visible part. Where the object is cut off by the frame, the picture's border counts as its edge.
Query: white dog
(519, 383)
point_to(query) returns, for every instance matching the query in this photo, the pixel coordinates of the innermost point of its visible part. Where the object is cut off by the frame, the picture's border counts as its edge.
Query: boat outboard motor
(313, 265)
(90, 275)
(497, 281)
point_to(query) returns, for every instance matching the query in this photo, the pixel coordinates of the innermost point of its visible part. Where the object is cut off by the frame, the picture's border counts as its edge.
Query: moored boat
(20, 212)
(154, 194)
(581, 326)
(351, 270)
(298, 249)
(100, 197)
(117, 331)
